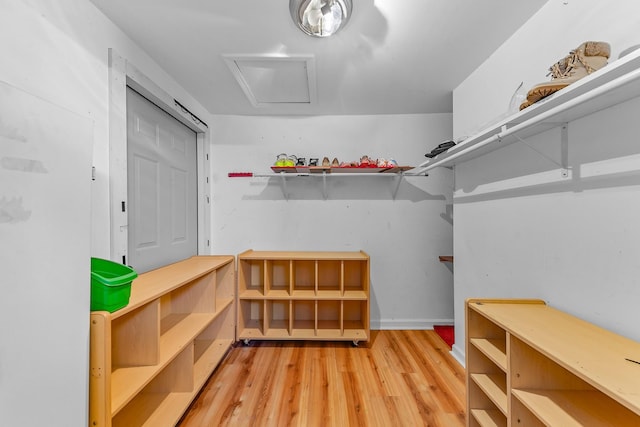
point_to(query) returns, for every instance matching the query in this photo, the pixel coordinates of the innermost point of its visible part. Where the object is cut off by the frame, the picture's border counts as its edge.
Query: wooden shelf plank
(494, 349)
(303, 333)
(570, 408)
(494, 386)
(277, 294)
(251, 294)
(489, 417)
(303, 294)
(210, 357)
(302, 255)
(153, 284)
(333, 294)
(353, 334)
(358, 295)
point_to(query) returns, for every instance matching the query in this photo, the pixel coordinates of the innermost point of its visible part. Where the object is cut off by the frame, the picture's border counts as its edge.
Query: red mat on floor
(446, 333)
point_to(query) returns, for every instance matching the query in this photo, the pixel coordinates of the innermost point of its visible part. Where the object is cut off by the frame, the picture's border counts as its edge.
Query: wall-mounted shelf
(393, 174)
(616, 83)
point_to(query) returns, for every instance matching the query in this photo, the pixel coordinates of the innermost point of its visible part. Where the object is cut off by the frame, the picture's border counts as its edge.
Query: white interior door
(162, 186)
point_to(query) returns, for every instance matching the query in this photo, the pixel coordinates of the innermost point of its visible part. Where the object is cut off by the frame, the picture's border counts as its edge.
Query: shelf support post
(398, 181)
(324, 184)
(564, 149)
(284, 186)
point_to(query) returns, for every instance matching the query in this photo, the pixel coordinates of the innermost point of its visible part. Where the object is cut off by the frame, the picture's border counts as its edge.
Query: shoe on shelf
(291, 161)
(325, 162)
(441, 148)
(585, 59)
(281, 160)
(335, 163)
(313, 162)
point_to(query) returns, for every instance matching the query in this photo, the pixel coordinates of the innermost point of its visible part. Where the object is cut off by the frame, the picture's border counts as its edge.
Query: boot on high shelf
(582, 61)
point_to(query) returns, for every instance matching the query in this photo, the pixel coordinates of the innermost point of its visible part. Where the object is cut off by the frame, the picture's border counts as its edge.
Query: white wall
(410, 288)
(520, 229)
(58, 51)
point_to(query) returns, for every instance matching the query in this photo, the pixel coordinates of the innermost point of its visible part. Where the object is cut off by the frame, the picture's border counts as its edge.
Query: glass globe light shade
(320, 18)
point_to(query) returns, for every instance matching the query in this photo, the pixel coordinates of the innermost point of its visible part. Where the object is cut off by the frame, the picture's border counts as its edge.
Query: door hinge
(124, 260)
(123, 206)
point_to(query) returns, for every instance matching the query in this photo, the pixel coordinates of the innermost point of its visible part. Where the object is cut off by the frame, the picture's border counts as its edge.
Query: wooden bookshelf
(530, 364)
(303, 295)
(151, 358)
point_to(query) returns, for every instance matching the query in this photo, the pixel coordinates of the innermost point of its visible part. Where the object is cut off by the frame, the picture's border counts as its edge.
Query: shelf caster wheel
(355, 343)
(246, 341)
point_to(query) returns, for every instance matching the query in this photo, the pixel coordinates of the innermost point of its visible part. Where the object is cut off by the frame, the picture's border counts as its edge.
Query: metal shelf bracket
(564, 150)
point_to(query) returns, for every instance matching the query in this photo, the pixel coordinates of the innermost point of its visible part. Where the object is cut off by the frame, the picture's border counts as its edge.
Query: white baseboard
(458, 353)
(407, 324)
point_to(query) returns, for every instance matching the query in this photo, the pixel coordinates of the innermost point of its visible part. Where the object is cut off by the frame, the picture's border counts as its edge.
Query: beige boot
(587, 58)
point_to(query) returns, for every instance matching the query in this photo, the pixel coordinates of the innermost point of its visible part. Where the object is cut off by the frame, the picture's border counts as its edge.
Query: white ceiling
(393, 57)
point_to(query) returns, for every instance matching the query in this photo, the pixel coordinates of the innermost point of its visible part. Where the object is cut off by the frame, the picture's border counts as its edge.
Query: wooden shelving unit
(531, 365)
(303, 295)
(150, 359)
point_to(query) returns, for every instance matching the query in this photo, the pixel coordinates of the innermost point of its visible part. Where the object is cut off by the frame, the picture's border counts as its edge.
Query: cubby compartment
(251, 277)
(522, 417)
(251, 319)
(304, 278)
(304, 319)
(356, 278)
(329, 278)
(173, 384)
(135, 338)
(483, 412)
(278, 318)
(149, 359)
(487, 338)
(316, 306)
(278, 278)
(531, 365)
(328, 315)
(211, 345)
(355, 319)
(556, 396)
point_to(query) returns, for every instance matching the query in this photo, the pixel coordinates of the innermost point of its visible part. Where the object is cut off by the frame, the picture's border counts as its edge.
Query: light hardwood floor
(399, 378)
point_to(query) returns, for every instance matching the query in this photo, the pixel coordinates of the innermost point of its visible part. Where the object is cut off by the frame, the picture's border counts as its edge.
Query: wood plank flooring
(399, 378)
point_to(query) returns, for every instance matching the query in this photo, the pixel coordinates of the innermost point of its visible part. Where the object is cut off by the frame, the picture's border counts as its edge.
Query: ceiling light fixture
(320, 18)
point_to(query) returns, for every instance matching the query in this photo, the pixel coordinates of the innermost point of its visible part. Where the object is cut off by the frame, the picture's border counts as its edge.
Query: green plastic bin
(110, 285)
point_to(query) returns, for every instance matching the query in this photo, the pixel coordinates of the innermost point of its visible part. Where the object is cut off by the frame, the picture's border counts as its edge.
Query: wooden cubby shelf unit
(151, 358)
(532, 365)
(303, 295)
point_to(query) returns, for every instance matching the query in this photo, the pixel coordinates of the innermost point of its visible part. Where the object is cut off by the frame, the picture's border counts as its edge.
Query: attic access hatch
(275, 80)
